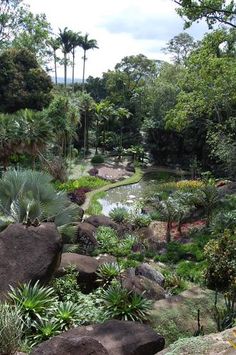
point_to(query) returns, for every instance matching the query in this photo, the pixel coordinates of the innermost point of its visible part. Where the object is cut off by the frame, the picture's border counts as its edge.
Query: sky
(121, 28)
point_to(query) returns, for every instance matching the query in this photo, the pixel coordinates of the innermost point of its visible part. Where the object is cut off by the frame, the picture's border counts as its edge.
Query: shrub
(97, 159)
(119, 214)
(10, 329)
(221, 262)
(174, 284)
(107, 238)
(142, 220)
(78, 196)
(108, 271)
(191, 270)
(123, 304)
(223, 221)
(89, 182)
(33, 301)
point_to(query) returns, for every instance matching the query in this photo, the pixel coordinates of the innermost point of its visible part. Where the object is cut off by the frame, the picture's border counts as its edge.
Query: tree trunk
(168, 235)
(55, 67)
(73, 69)
(65, 69)
(85, 132)
(84, 59)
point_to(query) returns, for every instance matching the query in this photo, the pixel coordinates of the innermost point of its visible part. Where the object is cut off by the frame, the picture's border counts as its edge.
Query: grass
(92, 206)
(90, 182)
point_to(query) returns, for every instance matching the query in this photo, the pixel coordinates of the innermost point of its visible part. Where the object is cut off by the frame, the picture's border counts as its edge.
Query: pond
(128, 196)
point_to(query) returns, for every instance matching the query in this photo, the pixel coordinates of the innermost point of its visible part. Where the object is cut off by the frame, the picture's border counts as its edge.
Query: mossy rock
(218, 343)
(176, 317)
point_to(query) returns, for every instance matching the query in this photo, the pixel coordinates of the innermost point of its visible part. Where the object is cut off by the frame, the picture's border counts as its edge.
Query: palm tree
(208, 198)
(75, 42)
(66, 38)
(54, 43)
(86, 44)
(28, 194)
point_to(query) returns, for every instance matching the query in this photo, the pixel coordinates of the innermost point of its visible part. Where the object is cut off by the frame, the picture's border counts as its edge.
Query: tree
(86, 106)
(75, 42)
(86, 44)
(169, 210)
(213, 11)
(28, 195)
(23, 83)
(180, 46)
(11, 12)
(66, 38)
(34, 36)
(208, 198)
(54, 43)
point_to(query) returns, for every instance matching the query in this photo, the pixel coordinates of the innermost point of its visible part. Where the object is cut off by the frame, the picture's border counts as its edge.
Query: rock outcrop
(28, 253)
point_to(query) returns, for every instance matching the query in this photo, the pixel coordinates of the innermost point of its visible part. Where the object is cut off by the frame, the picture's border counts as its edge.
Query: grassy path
(92, 196)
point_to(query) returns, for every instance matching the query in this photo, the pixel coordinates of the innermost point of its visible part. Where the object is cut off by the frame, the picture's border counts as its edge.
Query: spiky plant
(29, 194)
(32, 300)
(108, 271)
(66, 314)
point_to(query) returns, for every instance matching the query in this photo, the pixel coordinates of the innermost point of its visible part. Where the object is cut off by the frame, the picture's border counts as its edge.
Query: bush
(10, 329)
(89, 182)
(221, 262)
(174, 284)
(107, 239)
(97, 159)
(142, 220)
(123, 304)
(119, 214)
(191, 270)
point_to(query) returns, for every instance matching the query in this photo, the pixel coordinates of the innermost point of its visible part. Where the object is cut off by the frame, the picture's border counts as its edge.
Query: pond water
(128, 196)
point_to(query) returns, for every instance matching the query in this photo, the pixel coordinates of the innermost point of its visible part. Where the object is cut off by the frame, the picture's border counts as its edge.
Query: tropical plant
(66, 314)
(97, 159)
(54, 44)
(123, 304)
(44, 329)
(169, 210)
(75, 42)
(208, 198)
(108, 271)
(10, 329)
(222, 221)
(65, 38)
(86, 44)
(33, 301)
(119, 214)
(107, 239)
(28, 195)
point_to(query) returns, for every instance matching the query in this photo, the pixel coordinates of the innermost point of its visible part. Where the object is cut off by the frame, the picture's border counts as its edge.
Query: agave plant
(127, 305)
(44, 329)
(108, 271)
(29, 194)
(66, 314)
(32, 300)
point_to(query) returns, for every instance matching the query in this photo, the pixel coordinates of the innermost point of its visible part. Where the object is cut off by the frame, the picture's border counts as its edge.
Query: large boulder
(85, 237)
(70, 345)
(101, 220)
(142, 285)
(28, 253)
(212, 344)
(85, 265)
(117, 337)
(150, 273)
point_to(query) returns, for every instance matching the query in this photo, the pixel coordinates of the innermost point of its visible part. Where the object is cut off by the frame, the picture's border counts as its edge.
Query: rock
(28, 254)
(117, 337)
(86, 267)
(176, 316)
(81, 213)
(86, 237)
(130, 167)
(150, 273)
(105, 258)
(228, 189)
(142, 285)
(101, 220)
(211, 344)
(71, 345)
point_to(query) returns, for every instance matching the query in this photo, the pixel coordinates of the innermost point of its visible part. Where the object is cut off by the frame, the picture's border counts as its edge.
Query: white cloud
(121, 28)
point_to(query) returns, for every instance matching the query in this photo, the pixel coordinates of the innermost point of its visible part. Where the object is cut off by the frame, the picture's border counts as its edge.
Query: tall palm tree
(86, 44)
(75, 42)
(65, 37)
(54, 43)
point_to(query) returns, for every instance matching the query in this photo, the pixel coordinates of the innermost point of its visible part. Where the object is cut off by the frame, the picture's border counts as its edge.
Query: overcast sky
(121, 28)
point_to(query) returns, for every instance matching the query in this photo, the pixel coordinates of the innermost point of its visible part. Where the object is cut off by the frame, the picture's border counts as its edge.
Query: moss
(178, 319)
(194, 345)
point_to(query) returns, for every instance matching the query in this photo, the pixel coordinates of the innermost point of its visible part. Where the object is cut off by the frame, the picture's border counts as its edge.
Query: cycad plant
(29, 195)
